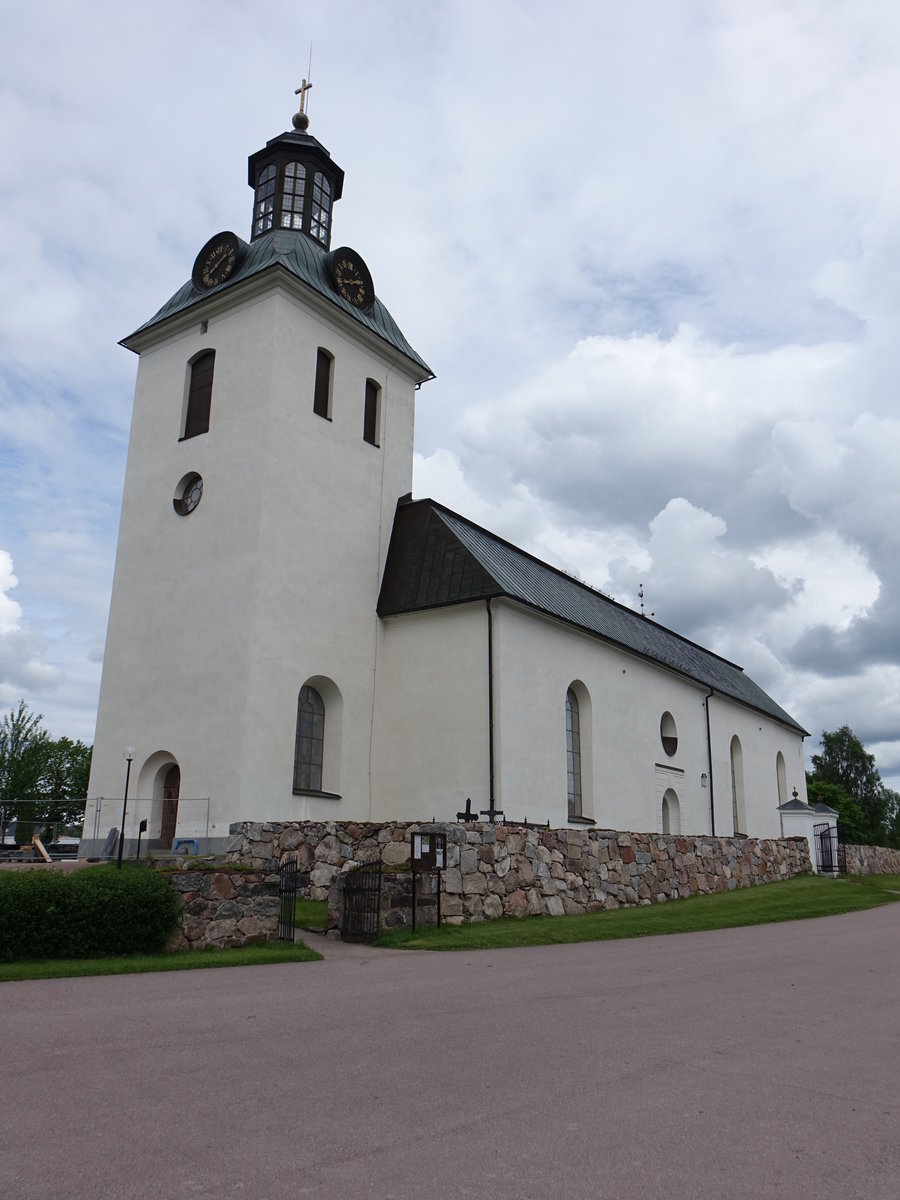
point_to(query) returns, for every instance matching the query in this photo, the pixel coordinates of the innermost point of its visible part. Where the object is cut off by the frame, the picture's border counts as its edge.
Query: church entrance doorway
(170, 790)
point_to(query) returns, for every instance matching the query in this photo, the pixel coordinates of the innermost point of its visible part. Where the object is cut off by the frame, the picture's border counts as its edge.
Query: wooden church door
(171, 788)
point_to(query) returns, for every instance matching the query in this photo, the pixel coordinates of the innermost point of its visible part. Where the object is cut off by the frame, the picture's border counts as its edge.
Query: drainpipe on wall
(490, 665)
(712, 806)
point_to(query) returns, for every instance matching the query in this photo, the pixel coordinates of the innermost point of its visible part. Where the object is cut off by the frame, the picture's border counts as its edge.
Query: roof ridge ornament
(300, 119)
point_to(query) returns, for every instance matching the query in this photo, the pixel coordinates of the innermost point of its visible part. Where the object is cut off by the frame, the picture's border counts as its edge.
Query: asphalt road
(759, 1062)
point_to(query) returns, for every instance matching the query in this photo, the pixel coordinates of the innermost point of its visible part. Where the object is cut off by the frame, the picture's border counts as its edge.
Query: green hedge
(84, 914)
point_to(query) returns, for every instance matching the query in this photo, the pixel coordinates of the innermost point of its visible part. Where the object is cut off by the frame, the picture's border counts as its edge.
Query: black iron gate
(831, 854)
(287, 898)
(361, 905)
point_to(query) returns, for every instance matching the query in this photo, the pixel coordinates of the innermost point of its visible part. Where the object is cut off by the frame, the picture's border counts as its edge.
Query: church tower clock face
(216, 261)
(350, 278)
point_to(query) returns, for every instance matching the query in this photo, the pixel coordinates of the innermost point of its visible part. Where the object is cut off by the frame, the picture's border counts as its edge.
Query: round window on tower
(188, 494)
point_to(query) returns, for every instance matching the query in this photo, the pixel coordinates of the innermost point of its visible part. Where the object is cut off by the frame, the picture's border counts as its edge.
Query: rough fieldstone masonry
(872, 860)
(495, 871)
(224, 908)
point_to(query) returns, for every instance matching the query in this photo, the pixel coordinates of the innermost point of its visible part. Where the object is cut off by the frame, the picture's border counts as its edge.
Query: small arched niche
(671, 812)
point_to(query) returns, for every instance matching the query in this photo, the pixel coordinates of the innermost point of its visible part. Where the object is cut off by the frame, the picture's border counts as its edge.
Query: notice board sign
(427, 851)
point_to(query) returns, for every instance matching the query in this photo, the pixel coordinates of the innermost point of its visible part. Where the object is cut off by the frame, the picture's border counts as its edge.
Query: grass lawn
(312, 914)
(806, 896)
(884, 883)
(135, 964)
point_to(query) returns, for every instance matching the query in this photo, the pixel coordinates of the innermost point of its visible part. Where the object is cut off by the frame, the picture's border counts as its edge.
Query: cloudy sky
(650, 249)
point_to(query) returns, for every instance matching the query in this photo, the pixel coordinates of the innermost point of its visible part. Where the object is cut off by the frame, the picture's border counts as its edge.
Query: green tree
(846, 762)
(63, 785)
(850, 815)
(43, 782)
(22, 746)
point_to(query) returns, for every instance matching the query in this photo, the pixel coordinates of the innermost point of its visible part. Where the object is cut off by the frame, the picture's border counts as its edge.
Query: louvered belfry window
(371, 414)
(199, 394)
(322, 394)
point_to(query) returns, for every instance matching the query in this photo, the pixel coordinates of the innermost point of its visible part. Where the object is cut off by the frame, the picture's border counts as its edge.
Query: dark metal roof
(437, 558)
(300, 145)
(795, 805)
(304, 258)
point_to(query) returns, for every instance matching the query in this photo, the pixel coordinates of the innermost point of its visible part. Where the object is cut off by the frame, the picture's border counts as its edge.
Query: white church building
(292, 636)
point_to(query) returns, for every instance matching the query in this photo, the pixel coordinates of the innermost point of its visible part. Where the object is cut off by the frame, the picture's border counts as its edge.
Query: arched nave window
(738, 805)
(309, 744)
(781, 775)
(579, 759)
(573, 754)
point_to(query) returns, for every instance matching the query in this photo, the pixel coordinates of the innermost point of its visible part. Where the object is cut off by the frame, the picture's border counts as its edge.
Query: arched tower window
(264, 201)
(294, 194)
(320, 223)
(573, 754)
(196, 418)
(738, 804)
(309, 744)
(781, 776)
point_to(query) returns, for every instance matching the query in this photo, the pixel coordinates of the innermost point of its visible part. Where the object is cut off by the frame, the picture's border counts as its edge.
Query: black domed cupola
(295, 182)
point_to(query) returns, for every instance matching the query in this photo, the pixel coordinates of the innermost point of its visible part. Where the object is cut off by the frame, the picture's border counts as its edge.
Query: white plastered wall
(218, 618)
(536, 659)
(432, 709)
(431, 727)
(761, 739)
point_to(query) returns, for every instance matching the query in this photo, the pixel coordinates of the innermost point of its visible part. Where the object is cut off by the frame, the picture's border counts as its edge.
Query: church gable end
(427, 565)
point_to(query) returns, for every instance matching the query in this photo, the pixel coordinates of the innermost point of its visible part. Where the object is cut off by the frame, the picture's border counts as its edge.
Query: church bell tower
(271, 437)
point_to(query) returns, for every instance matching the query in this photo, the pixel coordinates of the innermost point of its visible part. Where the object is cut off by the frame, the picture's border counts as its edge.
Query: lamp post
(128, 755)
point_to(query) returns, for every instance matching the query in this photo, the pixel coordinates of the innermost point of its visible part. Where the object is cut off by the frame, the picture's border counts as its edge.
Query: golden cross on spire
(301, 92)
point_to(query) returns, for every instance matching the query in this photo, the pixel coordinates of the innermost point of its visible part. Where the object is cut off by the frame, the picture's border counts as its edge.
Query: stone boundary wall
(872, 860)
(495, 871)
(224, 908)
